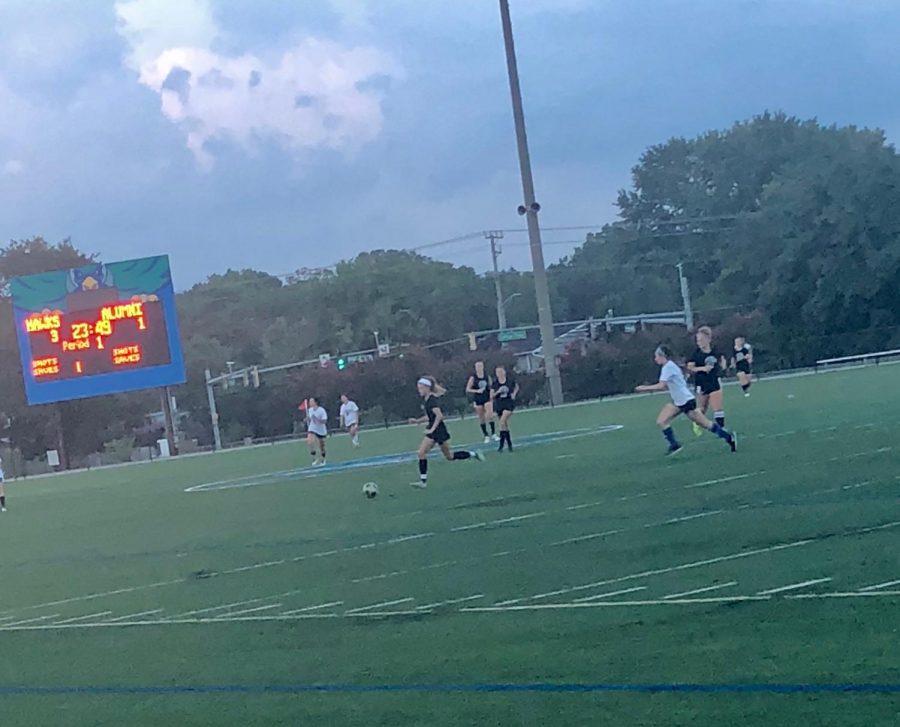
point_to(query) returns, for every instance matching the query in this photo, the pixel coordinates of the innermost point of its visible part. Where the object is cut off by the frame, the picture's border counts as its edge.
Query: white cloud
(317, 94)
(13, 167)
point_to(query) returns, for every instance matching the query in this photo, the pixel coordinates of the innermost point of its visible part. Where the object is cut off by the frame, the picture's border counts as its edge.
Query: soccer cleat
(733, 442)
(2, 509)
(673, 450)
(419, 485)
(478, 455)
(495, 437)
(746, 394)
(487, 440)
(697, 429)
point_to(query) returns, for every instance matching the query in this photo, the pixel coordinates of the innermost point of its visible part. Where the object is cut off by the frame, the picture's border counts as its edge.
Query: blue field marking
(507, 687)
(384, 460)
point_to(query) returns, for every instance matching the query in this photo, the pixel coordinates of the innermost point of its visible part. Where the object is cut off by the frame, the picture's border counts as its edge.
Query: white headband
(425, 382)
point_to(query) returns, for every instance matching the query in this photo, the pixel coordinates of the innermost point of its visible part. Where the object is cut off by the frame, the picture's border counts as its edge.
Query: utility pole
(213, 414)
(685, 298)
(166, 402)
(493, 236)
(530, 209)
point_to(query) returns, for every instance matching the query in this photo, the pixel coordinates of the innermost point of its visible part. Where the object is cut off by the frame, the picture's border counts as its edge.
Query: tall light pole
(530, 209)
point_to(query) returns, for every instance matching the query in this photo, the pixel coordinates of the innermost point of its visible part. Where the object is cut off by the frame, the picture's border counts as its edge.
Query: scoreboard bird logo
(89, 278)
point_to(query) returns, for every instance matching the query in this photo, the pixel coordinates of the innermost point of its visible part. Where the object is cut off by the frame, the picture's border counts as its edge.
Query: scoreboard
(97, 329)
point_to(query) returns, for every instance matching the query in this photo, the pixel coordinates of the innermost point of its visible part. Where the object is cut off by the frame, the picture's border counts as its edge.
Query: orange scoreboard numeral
(141, 325)
(100, 342)
(54, 335)
(78, 367)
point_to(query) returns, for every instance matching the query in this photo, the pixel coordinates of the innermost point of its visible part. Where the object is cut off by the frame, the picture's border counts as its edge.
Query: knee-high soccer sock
(670, 437)
(720, 418)
(507, 438)
(493, 427)
(720, 432)
(2, 500)
(423, 470)
(484, 429)
(462, 454)
(745, 387)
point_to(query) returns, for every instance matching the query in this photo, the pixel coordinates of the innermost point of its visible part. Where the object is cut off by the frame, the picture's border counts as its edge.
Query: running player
(2, 491)
(436, 432)
(504, 391)
(683, 402)
(479, 388)
(350, 418)
(742, 361)
(706, 365)
(316, 431)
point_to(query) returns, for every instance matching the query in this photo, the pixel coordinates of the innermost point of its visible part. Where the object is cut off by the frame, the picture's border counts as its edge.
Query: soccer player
(316, 430)
(504, 391)
(350, 418)
(436, 432)
(706, 366)
(479, 388)
(2, 491)
(742, 361)
(683, 402)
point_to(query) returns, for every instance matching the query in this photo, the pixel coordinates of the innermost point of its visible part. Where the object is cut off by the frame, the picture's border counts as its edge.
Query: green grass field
(586, 579)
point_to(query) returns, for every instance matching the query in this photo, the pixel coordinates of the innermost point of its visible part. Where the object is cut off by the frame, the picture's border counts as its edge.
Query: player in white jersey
(316, 430)
(350, 418)
(671, 377)
(2, 491)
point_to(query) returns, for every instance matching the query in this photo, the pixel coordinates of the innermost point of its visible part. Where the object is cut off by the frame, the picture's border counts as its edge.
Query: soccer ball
(370, 490)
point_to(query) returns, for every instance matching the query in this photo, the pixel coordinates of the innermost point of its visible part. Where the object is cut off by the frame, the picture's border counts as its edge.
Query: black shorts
(709, 387)
(320, 437)
(688, 407)
(440, 435)
(743, 367)
(502, 405)
(481, 399)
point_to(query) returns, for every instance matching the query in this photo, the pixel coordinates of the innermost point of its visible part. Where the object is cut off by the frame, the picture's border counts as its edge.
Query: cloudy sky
(276, 135)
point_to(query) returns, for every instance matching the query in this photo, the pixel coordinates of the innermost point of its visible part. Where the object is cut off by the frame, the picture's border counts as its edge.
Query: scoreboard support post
(166, 397)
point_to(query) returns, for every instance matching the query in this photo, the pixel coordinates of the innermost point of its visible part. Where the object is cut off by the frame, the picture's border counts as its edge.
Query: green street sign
(512, 334)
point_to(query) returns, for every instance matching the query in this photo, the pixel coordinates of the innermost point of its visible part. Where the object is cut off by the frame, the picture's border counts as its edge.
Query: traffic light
(341, 363)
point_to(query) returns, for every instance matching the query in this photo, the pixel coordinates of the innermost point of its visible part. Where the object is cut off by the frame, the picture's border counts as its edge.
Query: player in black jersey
(706, 365)
(436, 432)
(742, 361)
(504, 392)
(479, 388)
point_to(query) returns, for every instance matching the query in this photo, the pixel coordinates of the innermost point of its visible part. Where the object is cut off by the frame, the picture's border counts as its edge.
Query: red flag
(302, 406)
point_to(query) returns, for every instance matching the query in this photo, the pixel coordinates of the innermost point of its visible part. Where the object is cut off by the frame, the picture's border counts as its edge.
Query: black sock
(493, 428)
(2, 500)
(720, 418)
(313, 454)
(462, 454)
(484, 429)
(423, 469)
(508, 440)
(745, 387)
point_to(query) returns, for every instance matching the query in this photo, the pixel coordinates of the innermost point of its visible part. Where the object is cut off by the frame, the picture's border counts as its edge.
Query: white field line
(381, 576)
(581, 538)
(501, 521)
(220, 607)
(397, 602)
(600, 596)
(872, 595)
(86, 617)
(586, 505)
(566, 456)
(723, 480)
(132, 616)
(451, 602)
(407, 538)
(611, 604)
(660, 571)
(253, 566)
(626, 498)
(851, 594)
(30, 621)
(686, 518)
(231, 614)
(317, 607)
(697, 591)
(879, 586)
(793, 587)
